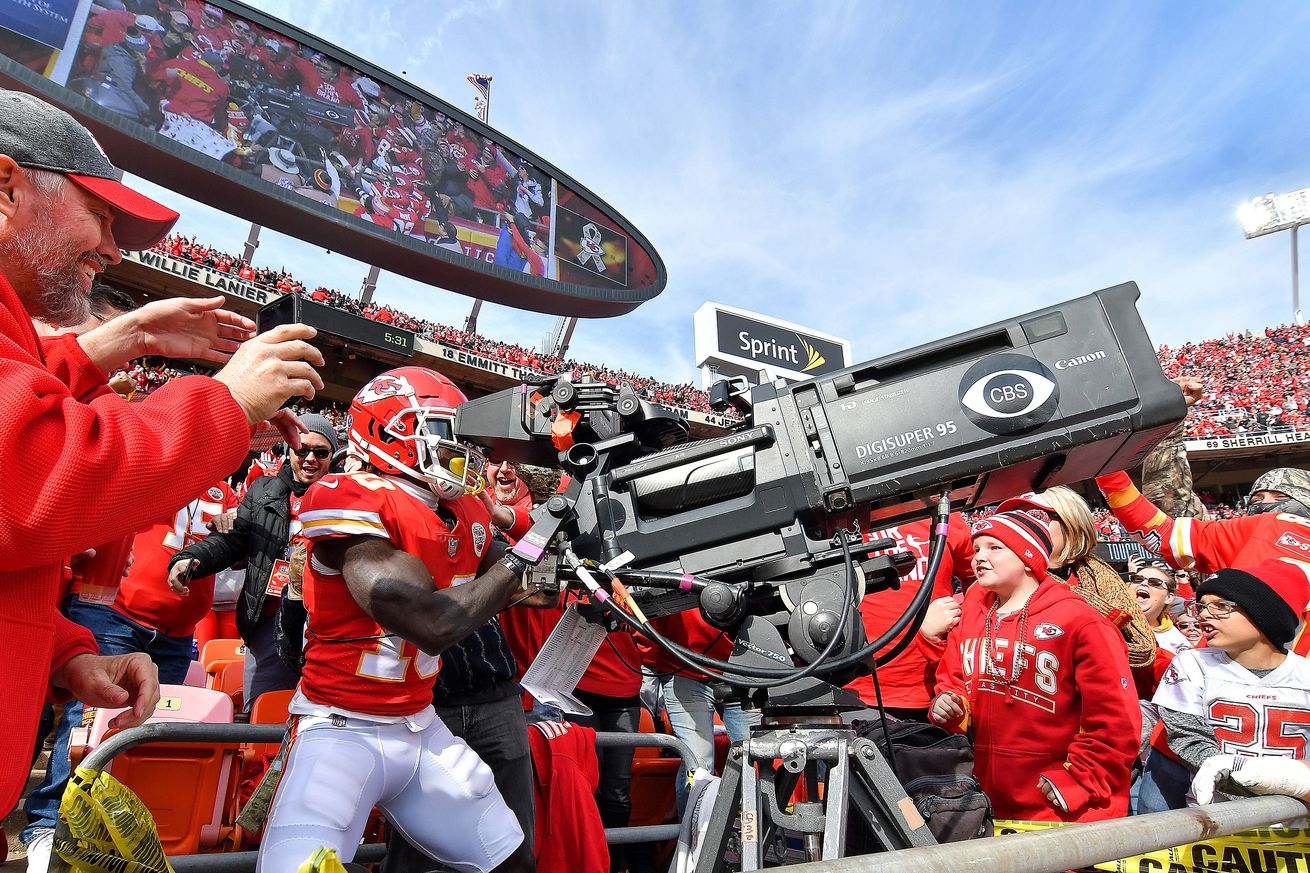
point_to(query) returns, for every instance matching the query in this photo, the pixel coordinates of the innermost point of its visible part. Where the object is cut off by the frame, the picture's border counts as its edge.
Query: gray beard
(56, 275)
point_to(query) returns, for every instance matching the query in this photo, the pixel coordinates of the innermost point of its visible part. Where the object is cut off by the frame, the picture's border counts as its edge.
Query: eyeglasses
(320, 453)
(1149, 581)
(1216, 609)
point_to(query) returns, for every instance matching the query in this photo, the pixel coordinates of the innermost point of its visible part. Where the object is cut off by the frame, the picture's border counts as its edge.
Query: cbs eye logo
(1008, 393)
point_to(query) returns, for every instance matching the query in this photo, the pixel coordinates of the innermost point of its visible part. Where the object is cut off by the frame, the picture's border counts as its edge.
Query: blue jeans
(1163, 786)
(116, 634)
(691, 705)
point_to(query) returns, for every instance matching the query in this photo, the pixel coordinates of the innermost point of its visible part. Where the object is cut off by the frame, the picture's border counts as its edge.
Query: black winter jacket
(259, 536)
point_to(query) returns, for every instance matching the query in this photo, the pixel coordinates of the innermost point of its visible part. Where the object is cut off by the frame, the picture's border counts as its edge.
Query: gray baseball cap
(41, 137)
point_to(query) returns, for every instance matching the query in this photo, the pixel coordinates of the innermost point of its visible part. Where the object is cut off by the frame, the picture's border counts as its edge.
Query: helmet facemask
(450, 468)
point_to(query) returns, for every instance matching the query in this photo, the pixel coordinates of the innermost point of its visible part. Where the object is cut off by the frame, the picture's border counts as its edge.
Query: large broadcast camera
(762, 528)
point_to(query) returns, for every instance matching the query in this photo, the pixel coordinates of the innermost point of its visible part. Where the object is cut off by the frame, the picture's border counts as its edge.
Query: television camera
(762, 528)
(766, 529)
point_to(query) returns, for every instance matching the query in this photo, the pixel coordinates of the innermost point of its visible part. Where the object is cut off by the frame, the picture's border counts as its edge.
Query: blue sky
(886, 172)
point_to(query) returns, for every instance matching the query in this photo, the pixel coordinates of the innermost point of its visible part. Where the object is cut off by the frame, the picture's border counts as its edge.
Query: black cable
(882, 716)
(913, 614)
(724, 671)
(655, 673)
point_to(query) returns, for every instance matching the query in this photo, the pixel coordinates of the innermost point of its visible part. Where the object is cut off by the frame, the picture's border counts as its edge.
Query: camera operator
(83, 465)
(907, 681)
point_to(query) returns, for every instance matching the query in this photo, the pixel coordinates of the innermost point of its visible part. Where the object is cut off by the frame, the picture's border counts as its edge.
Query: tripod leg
(834, 801)
(726, 806)
(752, 844)
(887, 810)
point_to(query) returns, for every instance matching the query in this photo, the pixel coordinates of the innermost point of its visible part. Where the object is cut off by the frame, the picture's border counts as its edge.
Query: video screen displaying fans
(253, 98)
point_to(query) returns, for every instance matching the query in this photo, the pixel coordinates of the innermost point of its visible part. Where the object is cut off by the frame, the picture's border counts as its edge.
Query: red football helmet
(403, 423)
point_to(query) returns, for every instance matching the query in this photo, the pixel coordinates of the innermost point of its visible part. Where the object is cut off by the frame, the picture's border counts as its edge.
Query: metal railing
(243, 862)
(1075, 846)
(1048, 851)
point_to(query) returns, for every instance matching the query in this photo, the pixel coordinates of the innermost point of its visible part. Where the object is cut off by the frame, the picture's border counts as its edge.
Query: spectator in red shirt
(321, 77)
(196, 103)
(83, 465)
(144, 617)
(275, 62)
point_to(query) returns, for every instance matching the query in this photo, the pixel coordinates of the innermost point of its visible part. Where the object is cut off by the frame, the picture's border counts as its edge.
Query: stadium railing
(243, 862)
(1077, 846)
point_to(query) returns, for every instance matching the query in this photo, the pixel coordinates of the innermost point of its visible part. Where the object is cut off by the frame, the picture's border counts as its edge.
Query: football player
(401, 566)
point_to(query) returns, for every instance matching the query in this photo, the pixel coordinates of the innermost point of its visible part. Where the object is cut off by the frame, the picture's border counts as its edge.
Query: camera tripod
(787, 749)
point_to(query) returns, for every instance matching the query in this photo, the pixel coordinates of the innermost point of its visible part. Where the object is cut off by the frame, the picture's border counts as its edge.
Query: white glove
(1264, 775)
(1273, 775)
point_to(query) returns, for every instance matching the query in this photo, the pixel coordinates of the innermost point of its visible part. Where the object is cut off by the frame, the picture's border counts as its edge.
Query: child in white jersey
(1241, 707)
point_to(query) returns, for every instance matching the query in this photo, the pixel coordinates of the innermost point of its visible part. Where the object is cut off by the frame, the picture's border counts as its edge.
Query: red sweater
(691, 631)
(79, 474)
(569, 835)
(907, 682)
(1070, 715)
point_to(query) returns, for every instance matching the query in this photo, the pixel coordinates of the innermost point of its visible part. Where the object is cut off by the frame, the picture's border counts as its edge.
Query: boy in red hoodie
(1042, 681)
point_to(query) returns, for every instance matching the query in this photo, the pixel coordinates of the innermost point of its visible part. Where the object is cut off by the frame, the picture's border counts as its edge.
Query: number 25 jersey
(1249, 714)
(351, 661)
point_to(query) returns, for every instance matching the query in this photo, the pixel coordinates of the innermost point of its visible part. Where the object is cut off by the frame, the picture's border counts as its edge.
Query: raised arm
(396, 590)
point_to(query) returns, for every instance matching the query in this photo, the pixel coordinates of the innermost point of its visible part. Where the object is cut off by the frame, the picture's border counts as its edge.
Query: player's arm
(396, 590)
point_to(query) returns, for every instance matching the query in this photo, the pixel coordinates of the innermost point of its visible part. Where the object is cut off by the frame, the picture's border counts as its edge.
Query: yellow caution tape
(110, 829)
(323, 860)
(1262, 850)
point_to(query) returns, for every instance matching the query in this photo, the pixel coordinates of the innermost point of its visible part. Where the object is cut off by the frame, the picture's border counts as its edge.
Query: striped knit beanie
(1022, 534)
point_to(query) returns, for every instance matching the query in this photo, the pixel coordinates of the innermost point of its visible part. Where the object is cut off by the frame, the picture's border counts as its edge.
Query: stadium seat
(188, 787)
(196, 676)
(229, 680)
(652, 781)
(270, 708)
(221, 650)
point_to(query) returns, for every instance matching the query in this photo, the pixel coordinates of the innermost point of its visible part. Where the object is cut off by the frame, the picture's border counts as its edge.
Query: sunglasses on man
(1148, 581)
(320, 453)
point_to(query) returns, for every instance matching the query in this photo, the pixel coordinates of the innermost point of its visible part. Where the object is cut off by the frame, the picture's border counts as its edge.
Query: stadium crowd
(1255, 384)
(682, 396)
(385, 588)
(241, 93)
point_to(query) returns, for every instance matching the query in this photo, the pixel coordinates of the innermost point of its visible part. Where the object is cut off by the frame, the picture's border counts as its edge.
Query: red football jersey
(350, 660)
(144, 595)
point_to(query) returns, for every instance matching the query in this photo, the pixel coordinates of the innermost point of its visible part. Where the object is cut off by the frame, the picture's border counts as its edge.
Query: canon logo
(1081, 359)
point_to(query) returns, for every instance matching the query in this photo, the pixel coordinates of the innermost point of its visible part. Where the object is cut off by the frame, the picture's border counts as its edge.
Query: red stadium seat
(652, 782)
(188, 787)
(229, 680)
(270, 708)
(221, 650)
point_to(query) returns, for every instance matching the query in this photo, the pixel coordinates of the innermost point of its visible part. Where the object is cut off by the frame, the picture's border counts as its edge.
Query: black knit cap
(1272, 595)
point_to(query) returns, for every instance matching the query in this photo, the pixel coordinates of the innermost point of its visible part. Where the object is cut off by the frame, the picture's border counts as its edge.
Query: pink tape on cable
(943, 528)
(684, 584)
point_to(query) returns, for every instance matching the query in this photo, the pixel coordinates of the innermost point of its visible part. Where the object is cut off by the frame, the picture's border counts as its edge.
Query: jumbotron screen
(219, 101)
